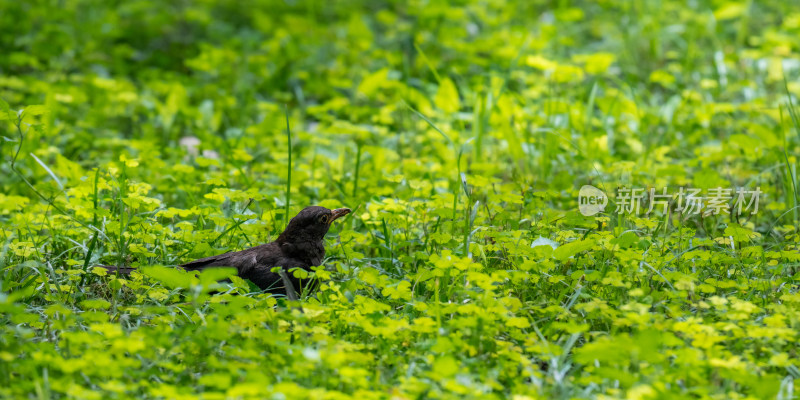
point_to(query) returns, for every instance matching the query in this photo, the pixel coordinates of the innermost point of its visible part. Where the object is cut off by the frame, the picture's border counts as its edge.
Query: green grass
(459, 135)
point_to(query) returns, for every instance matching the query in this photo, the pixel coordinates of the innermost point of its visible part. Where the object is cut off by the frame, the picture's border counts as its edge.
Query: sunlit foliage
(148, 134)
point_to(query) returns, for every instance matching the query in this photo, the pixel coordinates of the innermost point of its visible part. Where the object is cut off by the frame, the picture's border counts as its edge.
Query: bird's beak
(339, 212)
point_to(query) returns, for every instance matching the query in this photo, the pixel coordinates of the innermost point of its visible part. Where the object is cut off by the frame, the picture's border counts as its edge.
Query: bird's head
(311, 224)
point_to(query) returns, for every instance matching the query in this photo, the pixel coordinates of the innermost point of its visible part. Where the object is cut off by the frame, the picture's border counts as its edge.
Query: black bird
(299, 246)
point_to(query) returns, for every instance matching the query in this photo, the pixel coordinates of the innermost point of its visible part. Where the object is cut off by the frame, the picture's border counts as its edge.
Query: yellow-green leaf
(447, 96)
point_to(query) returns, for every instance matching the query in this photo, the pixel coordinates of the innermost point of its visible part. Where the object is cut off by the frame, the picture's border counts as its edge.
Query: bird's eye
(323, 219)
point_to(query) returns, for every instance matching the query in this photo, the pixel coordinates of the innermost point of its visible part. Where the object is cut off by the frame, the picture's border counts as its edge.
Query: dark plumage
(299, 246)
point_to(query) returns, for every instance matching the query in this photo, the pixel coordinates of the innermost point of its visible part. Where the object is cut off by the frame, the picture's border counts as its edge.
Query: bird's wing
(264, 277)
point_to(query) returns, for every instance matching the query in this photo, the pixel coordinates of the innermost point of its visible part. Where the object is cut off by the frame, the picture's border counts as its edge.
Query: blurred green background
(148, 133)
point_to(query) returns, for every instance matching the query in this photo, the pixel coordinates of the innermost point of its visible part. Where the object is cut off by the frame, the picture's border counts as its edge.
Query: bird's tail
(221, 260)
(191, 266)
(114, 270)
